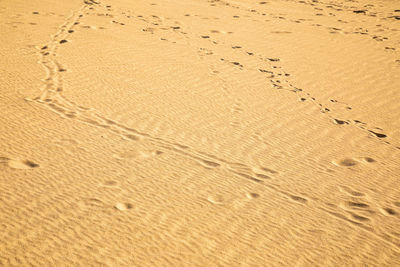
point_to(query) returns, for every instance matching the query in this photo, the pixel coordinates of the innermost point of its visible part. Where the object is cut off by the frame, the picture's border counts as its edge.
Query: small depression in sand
(19, 164)
(347, 162)
(123, 206)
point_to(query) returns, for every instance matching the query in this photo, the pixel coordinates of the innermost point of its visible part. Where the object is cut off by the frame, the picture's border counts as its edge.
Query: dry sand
(199, 133)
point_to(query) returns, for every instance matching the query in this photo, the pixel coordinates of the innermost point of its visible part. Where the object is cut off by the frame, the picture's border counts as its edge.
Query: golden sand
(199, 133)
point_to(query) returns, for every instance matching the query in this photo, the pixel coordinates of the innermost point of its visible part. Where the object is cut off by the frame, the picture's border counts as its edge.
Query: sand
(199, 133)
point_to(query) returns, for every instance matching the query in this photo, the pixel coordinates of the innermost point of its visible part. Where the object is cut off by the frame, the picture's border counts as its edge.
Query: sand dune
(199, 133)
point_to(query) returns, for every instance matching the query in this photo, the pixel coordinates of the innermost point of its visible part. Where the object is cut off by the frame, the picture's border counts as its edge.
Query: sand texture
(200, 133)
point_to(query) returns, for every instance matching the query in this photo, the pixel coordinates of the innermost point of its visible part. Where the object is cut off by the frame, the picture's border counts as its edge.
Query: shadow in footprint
(379, 135)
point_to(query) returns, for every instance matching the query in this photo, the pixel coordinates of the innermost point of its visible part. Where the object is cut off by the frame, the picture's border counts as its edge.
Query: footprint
(298, 199)
(19, 164)
(379, 135)
(359, 217)
(350, 191)
(270, 74)
(252, 195)
(388, 211)
(131, 137)
(368, 160)
(340, 122)
(123, 206)
(347, 162)
(360, 205)
(237, 64)
(63, 41)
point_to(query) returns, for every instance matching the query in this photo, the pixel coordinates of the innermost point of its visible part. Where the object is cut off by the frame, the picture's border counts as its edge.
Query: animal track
(277, 83)
(53, 99)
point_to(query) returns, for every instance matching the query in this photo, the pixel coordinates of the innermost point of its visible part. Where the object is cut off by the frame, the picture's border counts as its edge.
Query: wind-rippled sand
(199, 133)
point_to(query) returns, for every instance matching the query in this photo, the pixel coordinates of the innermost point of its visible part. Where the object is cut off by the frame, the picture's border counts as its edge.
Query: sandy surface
(199, 133)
